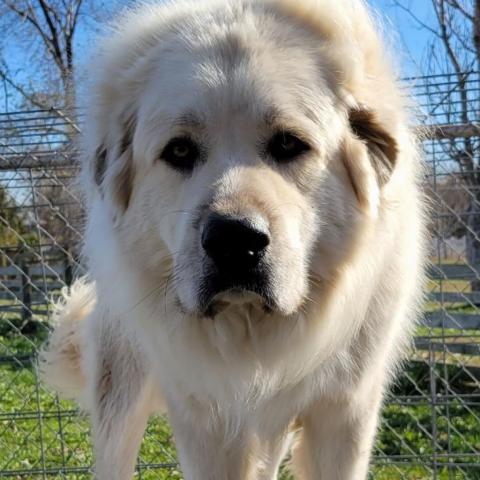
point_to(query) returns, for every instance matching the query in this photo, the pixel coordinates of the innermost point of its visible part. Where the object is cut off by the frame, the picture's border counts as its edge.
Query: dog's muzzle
(235, 251)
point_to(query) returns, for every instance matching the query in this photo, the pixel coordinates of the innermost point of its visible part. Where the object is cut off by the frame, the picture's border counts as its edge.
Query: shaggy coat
(282, 118)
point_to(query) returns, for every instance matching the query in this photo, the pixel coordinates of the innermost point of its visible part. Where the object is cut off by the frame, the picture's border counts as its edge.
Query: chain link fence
(431, 421)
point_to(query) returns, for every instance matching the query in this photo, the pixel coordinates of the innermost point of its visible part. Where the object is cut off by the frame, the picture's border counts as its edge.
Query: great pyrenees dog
(255, 239)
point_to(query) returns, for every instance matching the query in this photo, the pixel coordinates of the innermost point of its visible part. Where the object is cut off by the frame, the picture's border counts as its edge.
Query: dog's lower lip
(234, 296)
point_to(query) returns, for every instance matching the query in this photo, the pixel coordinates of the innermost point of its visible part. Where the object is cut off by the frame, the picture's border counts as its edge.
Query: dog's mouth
(236, 299)
(218, 294)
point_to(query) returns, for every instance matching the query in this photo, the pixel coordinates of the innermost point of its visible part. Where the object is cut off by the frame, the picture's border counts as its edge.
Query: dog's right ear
(113, 170)
(100, 166)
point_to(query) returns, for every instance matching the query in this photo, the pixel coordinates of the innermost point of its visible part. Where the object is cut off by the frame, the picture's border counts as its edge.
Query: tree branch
(457, 6)
(21, 90)
(31, 18)
(76, 14)
(476, 30)
(421, 23)
(439, 8)
(54, 34)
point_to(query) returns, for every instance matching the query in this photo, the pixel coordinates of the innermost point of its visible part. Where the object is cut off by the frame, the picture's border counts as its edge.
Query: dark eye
(181, 153)
(284, 146)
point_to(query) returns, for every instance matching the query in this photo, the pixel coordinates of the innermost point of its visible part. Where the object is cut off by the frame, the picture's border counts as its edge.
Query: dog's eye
(284, 147)
(181, 153)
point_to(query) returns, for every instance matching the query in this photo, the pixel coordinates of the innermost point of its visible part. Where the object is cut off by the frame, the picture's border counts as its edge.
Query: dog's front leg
(337, 438)
(272, 452)
(121, 398)
(205, 450)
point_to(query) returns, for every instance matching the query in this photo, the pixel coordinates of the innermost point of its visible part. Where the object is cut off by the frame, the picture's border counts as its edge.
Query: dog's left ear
(381, 145)
(369, 155)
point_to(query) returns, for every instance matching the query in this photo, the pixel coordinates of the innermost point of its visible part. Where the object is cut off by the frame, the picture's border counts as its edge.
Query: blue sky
(399, 26)
(410, 42)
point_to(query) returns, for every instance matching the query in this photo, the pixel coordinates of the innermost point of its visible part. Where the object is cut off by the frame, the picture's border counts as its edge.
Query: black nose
(233, 243)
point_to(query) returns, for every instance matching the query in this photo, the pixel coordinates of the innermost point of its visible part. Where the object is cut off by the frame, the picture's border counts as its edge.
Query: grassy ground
(40, 433)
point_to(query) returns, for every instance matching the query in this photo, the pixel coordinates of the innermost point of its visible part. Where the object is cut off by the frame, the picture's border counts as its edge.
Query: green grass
(58, 437)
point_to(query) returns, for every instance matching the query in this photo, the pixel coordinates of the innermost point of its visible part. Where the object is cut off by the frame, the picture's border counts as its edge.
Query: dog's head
(240, 148)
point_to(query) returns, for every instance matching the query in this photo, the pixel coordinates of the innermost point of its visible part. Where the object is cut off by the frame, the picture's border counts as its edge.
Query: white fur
(61, 360)
(346, 253)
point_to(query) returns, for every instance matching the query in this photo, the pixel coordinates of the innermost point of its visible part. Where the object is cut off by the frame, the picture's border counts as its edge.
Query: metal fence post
(26, 294)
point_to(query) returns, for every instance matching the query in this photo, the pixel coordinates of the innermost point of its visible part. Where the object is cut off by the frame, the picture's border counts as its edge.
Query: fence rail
(431, 421)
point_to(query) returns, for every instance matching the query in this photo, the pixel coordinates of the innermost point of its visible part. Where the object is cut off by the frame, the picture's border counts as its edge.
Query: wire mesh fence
(431, 421)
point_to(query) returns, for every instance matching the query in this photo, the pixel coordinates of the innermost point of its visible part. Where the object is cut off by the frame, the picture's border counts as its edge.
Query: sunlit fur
(346, 253)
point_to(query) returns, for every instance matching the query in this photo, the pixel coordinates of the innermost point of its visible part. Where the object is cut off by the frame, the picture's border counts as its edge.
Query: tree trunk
(473, 244)
(473, 238)
(476, 29)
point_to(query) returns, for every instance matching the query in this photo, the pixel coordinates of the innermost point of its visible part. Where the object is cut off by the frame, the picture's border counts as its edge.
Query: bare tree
(454, 49)
(39, 49)
(476, 29)
(44, 32)
(52, 26)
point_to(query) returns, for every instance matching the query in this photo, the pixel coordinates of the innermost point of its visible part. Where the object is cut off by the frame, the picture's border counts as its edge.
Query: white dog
(255, 236)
